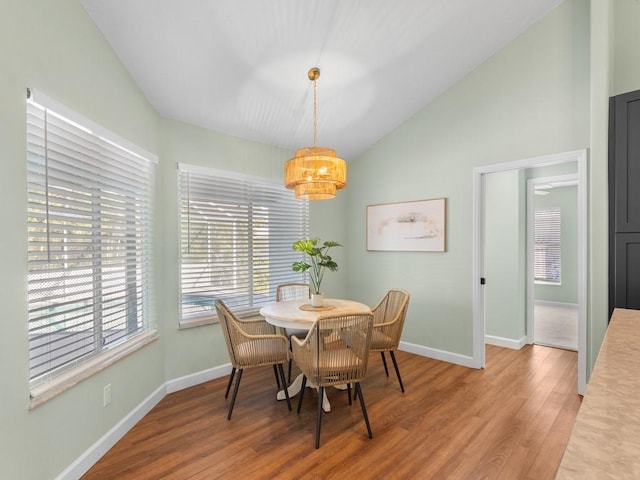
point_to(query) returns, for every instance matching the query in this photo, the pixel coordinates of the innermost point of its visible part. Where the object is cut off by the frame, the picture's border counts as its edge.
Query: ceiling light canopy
(315, 173)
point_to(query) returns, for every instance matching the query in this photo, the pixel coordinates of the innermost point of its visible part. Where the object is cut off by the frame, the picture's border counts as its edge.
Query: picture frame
(414, 226)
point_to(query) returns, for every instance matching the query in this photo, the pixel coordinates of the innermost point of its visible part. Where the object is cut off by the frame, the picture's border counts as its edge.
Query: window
(236, 235)
(547, 245)
(89, 241)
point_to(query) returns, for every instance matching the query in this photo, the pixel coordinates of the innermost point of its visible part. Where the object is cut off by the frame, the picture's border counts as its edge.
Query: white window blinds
(236, 236)
(89, 242)
(547, 245)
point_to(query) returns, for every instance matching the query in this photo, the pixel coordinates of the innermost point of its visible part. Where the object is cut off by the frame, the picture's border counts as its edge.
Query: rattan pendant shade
(315, 173)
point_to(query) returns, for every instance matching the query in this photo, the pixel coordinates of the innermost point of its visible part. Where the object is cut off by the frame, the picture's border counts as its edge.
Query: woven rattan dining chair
(388, 320)
(335, 352)
(292, 291)
(251, 343)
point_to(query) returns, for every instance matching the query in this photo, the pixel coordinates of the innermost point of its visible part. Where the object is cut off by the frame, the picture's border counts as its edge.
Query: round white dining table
(300, 315)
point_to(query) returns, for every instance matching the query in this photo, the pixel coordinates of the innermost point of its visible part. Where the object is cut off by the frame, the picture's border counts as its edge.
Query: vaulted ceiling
(240, 66)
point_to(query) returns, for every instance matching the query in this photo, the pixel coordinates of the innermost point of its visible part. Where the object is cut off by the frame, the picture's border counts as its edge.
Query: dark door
(624, 201)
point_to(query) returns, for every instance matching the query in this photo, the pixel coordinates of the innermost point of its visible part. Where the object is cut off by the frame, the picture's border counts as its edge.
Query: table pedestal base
(295, 388)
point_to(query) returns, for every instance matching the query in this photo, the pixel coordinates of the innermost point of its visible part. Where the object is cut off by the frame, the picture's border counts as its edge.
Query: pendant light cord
(315, 113)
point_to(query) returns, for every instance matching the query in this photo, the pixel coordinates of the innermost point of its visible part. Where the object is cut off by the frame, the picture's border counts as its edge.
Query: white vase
(317, 299)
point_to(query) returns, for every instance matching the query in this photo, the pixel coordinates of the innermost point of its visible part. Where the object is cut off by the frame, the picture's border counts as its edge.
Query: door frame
(578, 156)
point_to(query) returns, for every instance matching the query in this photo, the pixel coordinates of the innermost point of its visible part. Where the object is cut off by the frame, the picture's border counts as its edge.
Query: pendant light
(315, 173)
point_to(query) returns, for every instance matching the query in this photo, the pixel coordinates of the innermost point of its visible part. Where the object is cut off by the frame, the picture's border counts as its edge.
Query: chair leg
(349, 392)
(233, 372)
(275, 372)
(384, 362)
(319, 420)
(395, 364)
(284, 385)
(290, 362)
(235, 393)
(302, 389)
(364, 408)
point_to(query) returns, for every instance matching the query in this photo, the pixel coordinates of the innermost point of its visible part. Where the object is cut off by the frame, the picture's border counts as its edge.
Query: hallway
(556, 325)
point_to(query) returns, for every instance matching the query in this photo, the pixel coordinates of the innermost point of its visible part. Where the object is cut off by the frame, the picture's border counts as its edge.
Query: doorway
(480, 175)
(552, 260)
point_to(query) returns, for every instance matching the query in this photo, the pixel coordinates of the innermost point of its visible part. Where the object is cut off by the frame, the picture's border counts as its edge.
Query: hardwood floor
(509, 421)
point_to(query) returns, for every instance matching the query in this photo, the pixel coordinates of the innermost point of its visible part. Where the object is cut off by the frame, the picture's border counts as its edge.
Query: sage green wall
(597, 204)
(329, 222)
(528, 100)
(504, 259)
(55, 48)
(566, 198)
(626, 46)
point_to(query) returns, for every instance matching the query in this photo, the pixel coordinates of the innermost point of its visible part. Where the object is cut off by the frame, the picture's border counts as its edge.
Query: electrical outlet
(106, 395)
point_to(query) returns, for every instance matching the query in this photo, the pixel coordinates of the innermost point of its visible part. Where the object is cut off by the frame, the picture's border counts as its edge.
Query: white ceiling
(240, 66)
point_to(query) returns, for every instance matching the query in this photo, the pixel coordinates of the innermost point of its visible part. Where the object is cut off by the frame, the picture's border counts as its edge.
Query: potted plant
(319, 260)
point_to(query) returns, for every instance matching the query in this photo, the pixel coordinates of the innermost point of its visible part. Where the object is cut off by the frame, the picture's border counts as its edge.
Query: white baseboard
(557, 304)
(89, 458)
(436, 354)
(197, 378)
(506, 342)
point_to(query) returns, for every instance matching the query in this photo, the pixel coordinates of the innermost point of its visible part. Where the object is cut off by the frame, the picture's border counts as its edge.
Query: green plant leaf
(319, 259)
(301, 266)
(331, 243)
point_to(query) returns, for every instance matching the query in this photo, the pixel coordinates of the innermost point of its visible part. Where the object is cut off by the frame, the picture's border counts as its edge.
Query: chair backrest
(229, 328)
(250, 342)
(391, 312)
(292, 291)
(337, 349)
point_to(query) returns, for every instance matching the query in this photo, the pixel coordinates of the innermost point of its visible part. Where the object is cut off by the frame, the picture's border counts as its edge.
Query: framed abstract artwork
(417, 226)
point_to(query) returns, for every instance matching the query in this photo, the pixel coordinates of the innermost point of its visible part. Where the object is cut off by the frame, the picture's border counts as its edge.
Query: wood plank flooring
(511, 420)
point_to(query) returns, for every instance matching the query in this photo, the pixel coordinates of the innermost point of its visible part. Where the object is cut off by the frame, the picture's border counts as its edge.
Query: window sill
(46, 391)
(197, 322)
